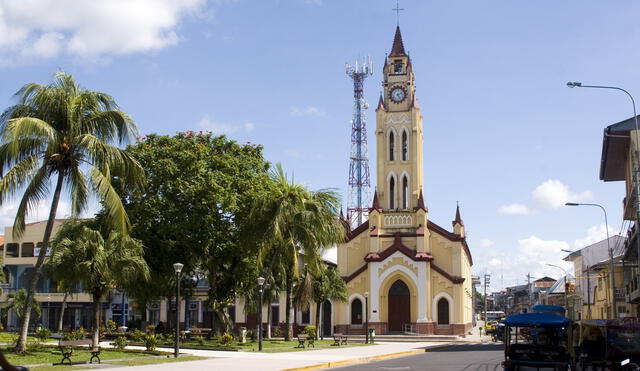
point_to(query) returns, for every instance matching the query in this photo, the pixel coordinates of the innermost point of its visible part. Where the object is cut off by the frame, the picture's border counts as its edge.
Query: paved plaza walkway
(302, 360)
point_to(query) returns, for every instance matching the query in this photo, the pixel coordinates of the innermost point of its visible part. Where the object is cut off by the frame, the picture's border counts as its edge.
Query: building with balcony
(620, 161)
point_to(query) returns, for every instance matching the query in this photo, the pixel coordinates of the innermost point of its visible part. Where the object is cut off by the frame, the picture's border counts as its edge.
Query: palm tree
(18, 301)
(100, 265)
(329, 285)
(65, 133)
(291, 220)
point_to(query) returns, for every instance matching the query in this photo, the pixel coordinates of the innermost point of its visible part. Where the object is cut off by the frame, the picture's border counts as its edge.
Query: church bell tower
(399, 135)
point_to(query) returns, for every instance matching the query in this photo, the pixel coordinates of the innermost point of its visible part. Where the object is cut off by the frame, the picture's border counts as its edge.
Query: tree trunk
(96, 321)
(21, 345)
(318, 320)
(288, 334)
(62, 308)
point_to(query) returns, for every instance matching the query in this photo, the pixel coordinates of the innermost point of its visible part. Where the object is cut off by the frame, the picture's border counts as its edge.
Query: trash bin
(372, 334)
(243, 335)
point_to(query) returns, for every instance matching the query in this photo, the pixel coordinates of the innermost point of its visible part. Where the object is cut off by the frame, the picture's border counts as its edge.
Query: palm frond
(117, 216)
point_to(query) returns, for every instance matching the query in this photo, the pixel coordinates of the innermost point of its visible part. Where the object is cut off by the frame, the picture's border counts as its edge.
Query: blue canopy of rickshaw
(536, 320)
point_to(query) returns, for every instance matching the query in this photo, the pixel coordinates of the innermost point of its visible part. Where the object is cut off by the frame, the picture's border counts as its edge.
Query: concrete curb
(364, 359)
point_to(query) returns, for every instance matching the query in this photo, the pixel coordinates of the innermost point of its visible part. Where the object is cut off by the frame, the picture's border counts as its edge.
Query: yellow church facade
(404, 273)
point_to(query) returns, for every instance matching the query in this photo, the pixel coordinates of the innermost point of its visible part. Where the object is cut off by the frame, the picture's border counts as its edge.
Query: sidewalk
(308, 360)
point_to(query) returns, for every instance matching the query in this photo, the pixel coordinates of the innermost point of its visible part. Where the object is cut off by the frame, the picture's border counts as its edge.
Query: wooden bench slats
(305, 337)
(66, 348)
(339, 338)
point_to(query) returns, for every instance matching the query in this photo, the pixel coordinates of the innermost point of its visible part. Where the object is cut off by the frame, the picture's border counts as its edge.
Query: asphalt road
(462, 357)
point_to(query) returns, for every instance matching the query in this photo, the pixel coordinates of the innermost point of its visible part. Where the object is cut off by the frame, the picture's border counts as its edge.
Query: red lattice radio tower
(359, 184)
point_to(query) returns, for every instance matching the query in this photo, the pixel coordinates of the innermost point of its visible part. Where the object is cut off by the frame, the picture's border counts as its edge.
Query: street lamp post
(636, 171)
(177, 267)
(566, 286)
(366, 317)
(612, 281)
(260, 284)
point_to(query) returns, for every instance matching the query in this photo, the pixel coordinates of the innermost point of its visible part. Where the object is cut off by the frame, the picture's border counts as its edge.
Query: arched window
(356, 312)
(405, 193)
(391, 146)
(405, 146)
(392, 193)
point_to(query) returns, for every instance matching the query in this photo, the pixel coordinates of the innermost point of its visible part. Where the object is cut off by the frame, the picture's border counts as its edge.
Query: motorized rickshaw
(537, 341)
(604, 344)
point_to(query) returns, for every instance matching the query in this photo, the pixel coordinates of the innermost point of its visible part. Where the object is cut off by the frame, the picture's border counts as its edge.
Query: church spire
(376, 203)
(421, 202)
(381, 103)
(397, 50)
(458, 219)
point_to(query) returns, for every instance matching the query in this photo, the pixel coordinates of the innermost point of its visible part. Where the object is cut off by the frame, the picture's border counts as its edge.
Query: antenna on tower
(359, 184)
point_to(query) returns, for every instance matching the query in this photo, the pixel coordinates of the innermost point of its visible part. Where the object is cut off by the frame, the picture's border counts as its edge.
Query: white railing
(398, 220)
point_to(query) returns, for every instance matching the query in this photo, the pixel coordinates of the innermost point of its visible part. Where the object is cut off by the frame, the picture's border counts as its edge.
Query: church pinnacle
(397, 50)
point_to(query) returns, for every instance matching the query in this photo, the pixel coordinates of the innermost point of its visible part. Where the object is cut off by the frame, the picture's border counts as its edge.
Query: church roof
(375, 205)
(421, 202)
(397, 50)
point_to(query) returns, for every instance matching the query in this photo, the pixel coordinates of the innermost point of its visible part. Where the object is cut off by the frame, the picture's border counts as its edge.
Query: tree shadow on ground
(486, 347)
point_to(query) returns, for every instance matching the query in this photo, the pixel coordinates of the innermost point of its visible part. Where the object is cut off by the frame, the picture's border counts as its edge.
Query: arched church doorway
(356, 312)
(399, 308)
(326, 318)
(443, 311)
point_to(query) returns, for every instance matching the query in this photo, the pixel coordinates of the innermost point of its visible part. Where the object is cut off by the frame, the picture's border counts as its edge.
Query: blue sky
(504, 136)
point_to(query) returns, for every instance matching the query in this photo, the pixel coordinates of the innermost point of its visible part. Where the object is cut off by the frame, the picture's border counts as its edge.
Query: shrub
(199, 340)
(121, 342)
(225, 339)
(151, 342)
(138, 336)
(112, 326)
(250, 335)
(43, 334)
(74, 334)
(151, 329)
(311, 331)
(277, 332)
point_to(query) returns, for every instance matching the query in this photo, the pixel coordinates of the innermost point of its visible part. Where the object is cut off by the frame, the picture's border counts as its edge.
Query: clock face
(397, 94)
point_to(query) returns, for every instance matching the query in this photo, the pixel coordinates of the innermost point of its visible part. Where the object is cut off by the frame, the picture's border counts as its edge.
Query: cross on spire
(397, 9)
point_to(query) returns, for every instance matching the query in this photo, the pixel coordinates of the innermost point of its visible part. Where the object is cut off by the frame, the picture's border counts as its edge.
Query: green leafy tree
(328, 285)
(99, 264)
(18, 301)
(199, 190)
(291, 219)
(66, 134)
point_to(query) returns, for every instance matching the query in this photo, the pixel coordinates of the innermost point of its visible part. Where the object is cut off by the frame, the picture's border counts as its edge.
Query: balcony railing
(633, 293)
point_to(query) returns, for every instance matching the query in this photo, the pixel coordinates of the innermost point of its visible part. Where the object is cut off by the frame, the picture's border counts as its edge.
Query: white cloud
(495, 262)
(553, 194)
(40, 212)
(514, 209)
(486, 242)
(595, 234)
(47, 28)
(207, 123)
(309, 111)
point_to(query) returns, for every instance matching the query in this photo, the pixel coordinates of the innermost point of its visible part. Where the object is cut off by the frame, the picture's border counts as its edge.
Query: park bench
(339, 338)
(305, 337)
(199, 331)
(67, 347)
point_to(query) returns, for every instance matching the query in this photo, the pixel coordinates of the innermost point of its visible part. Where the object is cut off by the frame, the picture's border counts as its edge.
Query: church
(404, 273)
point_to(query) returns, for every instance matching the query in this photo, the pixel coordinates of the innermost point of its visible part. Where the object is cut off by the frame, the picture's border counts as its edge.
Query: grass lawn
(51, 354)
(129, 362)
(11, 337)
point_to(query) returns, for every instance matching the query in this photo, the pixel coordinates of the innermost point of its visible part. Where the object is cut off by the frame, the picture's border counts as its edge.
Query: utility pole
(529, 291)
(487, 281)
